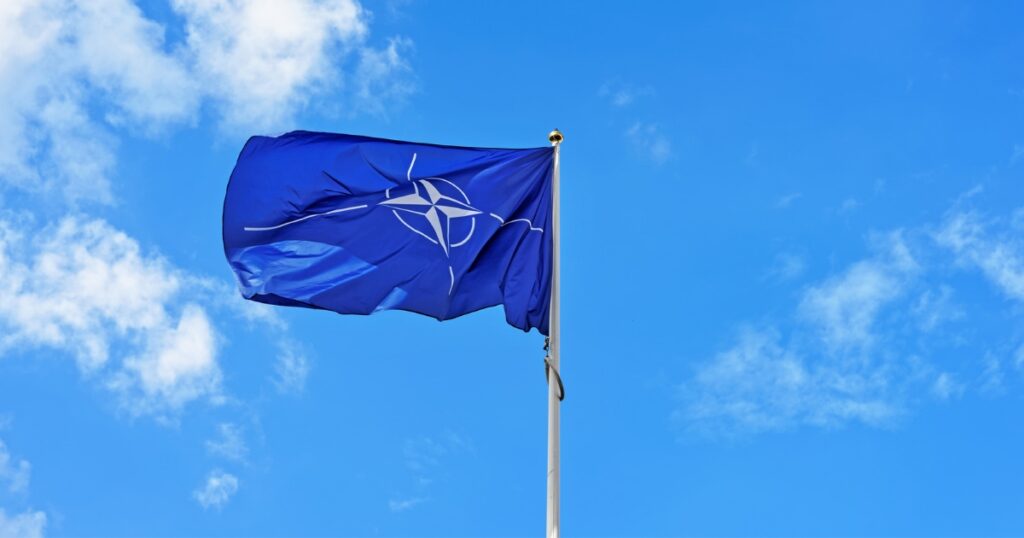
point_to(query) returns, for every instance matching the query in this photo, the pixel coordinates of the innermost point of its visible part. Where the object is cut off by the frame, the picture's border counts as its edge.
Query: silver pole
(554, 351)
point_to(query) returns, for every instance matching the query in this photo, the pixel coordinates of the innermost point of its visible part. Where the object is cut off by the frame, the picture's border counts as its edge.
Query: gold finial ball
(555, 137)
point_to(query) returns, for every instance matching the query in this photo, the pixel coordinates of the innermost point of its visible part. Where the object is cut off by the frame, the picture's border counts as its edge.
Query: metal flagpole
(555, 389)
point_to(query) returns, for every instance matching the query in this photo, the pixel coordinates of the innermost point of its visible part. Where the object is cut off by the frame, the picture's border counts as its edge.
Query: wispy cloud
(787, 200)
(848, 205)
(763, 383)
(946, 386)
(822, 374)
(1017, 154)
(291, 368)
(844, 307)
(216, 490)
(14, 473)
(753, 153)
(621, 94)
(857, 347)
(935, 307)
(401, 505)
(229, 443)
(14, 479)
(649, 141)
(384, 77)
(787, 266)
(28, 524)
(425, 453)
(425, 457)
(1000, 257)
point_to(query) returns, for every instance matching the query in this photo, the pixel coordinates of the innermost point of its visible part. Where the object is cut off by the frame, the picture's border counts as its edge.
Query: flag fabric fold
(357, 225)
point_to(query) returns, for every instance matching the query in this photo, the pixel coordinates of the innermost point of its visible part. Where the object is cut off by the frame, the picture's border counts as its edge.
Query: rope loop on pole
(548, 368)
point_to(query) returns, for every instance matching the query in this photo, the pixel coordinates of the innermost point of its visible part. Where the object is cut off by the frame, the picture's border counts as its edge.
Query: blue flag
(357, 225)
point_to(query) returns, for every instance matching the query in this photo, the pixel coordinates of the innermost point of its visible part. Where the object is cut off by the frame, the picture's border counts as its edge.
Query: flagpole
(554, 352)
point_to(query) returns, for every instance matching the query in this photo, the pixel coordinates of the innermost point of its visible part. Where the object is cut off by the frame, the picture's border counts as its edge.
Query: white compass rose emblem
(435, 213)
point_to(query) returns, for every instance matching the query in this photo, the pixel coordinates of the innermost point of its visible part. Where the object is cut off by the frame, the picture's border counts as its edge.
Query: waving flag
(357, 225)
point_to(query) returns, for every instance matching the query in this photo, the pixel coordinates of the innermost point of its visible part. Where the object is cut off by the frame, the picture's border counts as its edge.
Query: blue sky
(793, 273)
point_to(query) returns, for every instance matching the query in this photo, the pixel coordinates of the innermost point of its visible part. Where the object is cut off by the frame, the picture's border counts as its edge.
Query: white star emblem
(438, 209)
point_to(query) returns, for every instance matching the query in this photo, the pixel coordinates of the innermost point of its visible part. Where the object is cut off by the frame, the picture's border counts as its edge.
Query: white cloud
(425, 453)
(995, 377)
(845, 306)
(1018, 153)
(134, 323)
(123, 53)
(992, 378)
(946, 386)
(85, 288)
(291, 369)
(28, 524)
(935, 307)
(261, 58)
(1000, 257)
(425, 457)
(753, 153)
(77, 276)
(622, 97)
(786, 200)
(761, 385)
(864, 343)
(55, 55)
(79, 155)
(829, 369)
(217, 490)
(14, 478)
(383, 76)
(229, 444)
(787, 266)
(401, 505)
(649, 141)
(254, 314)
(177, 366)
(74, 72)
(14, 474)
(620, 94)
(848, 205)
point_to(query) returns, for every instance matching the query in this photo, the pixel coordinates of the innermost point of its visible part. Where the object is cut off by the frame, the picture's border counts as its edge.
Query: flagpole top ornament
(555, 137)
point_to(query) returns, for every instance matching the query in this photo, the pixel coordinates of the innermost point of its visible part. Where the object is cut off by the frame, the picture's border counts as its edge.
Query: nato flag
(357, 225)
